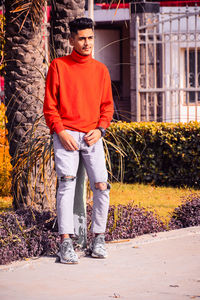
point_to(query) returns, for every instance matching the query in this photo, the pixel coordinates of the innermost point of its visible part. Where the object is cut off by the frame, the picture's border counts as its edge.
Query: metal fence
(168, 66)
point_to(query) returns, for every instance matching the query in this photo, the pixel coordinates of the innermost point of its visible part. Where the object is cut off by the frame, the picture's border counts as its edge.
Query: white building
(153, 54)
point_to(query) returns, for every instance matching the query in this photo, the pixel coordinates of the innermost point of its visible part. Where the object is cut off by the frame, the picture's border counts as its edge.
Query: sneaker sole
(98, 256)
(64, 261)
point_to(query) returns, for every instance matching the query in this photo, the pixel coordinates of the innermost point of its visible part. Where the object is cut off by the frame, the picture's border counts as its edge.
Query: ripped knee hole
(102, 186)
(67, 178)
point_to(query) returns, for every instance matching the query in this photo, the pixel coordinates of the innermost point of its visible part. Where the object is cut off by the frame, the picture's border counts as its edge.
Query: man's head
(82, 35)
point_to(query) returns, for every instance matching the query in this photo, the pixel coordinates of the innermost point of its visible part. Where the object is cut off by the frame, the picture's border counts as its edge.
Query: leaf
(32, 9)
(174, 285)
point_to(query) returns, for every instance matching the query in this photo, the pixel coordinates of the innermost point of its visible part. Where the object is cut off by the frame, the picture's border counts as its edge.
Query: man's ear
(71, 41)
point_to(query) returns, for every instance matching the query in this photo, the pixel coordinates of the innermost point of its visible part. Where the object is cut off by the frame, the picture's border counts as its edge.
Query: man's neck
(76, 56)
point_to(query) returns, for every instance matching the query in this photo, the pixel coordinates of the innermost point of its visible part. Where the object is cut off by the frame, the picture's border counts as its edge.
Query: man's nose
(86, 41)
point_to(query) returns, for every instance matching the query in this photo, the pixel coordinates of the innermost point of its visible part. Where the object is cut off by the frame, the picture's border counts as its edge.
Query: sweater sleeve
(107, 107)
(51, 100)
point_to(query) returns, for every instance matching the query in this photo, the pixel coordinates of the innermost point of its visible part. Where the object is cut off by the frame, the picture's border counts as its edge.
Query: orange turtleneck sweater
(78, 94)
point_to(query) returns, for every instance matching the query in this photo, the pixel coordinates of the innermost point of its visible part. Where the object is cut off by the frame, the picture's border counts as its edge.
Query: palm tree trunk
(24, 93)
(62, 12)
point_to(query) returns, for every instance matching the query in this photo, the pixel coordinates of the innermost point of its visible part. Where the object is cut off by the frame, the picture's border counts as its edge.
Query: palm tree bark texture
(62, 12)
(24, 94)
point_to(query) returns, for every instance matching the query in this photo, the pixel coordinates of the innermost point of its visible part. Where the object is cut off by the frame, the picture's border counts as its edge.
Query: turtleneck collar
(80, 58)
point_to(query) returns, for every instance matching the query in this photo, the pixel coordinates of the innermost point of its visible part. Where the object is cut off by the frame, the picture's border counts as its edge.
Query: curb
(114, 245)
(155, 237)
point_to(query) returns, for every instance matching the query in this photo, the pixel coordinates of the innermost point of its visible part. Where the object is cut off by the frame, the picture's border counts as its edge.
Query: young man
(78, 107)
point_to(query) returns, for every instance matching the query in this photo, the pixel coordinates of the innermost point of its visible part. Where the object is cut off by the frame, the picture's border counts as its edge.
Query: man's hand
(67, 141)
(92, 136)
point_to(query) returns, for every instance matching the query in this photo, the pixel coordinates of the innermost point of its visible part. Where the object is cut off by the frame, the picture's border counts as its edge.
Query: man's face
(83, 41)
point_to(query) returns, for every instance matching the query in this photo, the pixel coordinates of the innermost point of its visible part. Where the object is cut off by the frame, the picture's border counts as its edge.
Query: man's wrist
(102, 130)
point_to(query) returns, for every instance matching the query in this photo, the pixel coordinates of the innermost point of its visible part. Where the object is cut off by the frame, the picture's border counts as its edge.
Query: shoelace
(67, 246)
(100, 240)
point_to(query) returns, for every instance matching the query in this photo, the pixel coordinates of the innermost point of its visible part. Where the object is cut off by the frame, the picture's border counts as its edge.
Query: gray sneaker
(98, 247)
(67, 254)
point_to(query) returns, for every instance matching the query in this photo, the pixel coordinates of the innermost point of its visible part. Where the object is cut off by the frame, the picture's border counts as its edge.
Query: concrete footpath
(163, 266)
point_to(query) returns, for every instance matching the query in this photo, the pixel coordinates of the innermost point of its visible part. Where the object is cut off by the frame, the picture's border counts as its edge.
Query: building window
(192, 75)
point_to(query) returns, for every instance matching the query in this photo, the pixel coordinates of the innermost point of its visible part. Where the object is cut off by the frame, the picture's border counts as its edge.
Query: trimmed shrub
(187, 214)
(158, 153)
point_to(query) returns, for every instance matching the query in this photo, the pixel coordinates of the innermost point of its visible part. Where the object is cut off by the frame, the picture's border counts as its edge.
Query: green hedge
(159, 153)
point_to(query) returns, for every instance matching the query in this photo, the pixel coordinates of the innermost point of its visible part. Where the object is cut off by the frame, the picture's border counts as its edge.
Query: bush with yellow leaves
(5, 165)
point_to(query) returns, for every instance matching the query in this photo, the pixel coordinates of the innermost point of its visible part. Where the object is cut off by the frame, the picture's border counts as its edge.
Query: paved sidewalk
(163, 266)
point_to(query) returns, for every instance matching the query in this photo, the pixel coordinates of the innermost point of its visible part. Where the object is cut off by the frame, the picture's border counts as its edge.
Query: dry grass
(162, 200)
(5, 204)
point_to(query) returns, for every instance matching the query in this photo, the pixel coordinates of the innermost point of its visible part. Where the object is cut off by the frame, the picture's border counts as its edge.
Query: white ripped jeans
(66, 166)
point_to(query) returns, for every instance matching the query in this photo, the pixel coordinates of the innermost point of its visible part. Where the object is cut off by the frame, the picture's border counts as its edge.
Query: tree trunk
(24, 93)
(63, 11)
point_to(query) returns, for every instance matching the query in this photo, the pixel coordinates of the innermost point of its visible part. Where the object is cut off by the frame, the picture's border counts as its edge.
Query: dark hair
(80, 24)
